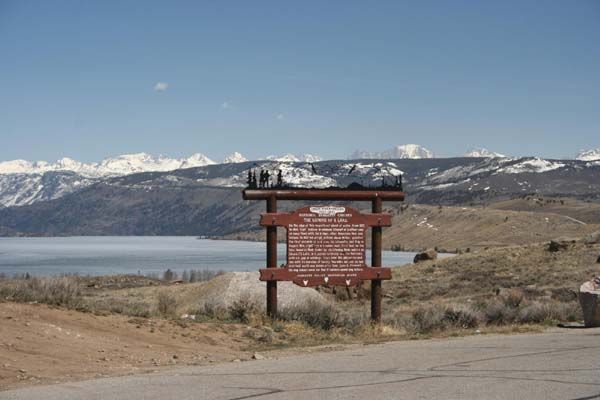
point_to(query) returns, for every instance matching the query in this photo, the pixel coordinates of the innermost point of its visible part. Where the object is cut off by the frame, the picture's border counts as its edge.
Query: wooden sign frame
(271, 220)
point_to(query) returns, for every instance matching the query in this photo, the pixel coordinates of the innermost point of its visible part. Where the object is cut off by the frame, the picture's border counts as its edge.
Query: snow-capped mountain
(398, 152)
(432, 181)
(289, 157)
(160, 202)
(483, 153)
(25, 182)
(121, 165)
(311, 158)
(40, 167)
(234, 157)
(589, 155)
(24, 189)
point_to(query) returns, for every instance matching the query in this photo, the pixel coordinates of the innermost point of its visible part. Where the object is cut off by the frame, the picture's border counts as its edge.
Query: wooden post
(376, 262)
(272, 259)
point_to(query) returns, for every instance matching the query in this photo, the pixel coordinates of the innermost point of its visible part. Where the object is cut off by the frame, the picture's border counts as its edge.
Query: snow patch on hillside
(536, 165)
(234, 158)
(289, 157)
(23, 189)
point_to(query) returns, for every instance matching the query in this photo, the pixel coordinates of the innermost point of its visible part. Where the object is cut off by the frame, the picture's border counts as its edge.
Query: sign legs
(376, 262)
(272, 259)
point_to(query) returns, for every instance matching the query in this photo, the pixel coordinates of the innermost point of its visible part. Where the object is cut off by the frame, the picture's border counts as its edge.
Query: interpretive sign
(325, 246)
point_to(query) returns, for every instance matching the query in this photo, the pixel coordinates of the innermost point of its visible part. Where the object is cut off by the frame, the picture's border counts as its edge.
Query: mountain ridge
(111, 166)
(207, 200)
(143, 162)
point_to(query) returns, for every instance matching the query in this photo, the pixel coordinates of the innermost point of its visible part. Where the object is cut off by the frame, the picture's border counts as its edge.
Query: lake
(105, 255)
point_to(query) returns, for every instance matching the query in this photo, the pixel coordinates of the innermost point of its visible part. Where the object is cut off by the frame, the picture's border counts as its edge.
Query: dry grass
(58, 291)
(456, 228)
(531, 270)
(496, 287)
(506, 289)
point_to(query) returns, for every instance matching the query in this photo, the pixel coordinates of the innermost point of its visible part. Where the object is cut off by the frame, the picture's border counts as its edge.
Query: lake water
(105, 255)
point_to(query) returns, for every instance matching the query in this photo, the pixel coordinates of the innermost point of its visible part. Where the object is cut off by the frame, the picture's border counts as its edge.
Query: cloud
(161, 86)
(226, 105)
(280, 117)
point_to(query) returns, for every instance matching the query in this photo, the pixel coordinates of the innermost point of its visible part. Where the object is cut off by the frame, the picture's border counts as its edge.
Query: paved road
(559, 364)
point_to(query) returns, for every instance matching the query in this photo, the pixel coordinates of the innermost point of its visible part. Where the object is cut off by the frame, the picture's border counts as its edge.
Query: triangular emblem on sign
(326, 279)
(348, 282)
(305, 281)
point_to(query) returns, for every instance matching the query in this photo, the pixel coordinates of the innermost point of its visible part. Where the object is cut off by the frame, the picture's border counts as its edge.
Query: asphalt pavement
(557, 364)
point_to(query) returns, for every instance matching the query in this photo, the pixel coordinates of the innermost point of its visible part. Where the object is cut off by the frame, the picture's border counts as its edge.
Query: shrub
(537, 312)
(499, 313)
(353, 320)
(314, 314)
(429, 318)
(118, 306)
(166, 304)
(513, 298)
(211, 310)
(425, 319)
(59, 291)
(462, 317)
(242, 309)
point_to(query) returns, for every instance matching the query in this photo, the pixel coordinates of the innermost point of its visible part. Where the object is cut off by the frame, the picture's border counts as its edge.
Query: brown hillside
(583, 211)
(538, 272)
(451, 228)
(417, 226)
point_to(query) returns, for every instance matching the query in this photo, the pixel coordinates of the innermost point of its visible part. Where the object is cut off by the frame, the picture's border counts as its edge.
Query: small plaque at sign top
(325, 246)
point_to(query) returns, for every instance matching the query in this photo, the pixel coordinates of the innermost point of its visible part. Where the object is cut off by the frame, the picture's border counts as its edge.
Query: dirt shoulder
(40, 344)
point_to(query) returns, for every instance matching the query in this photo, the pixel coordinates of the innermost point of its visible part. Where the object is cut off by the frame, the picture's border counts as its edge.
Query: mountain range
(24, 182)
(142, 162)
(206, 200)
(120, 165)
(132, 163)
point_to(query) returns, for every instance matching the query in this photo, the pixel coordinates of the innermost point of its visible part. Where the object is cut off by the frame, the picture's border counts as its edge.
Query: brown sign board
(325, 246)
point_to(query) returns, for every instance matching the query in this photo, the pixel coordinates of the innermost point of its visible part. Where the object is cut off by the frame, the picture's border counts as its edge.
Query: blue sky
(79, 78)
